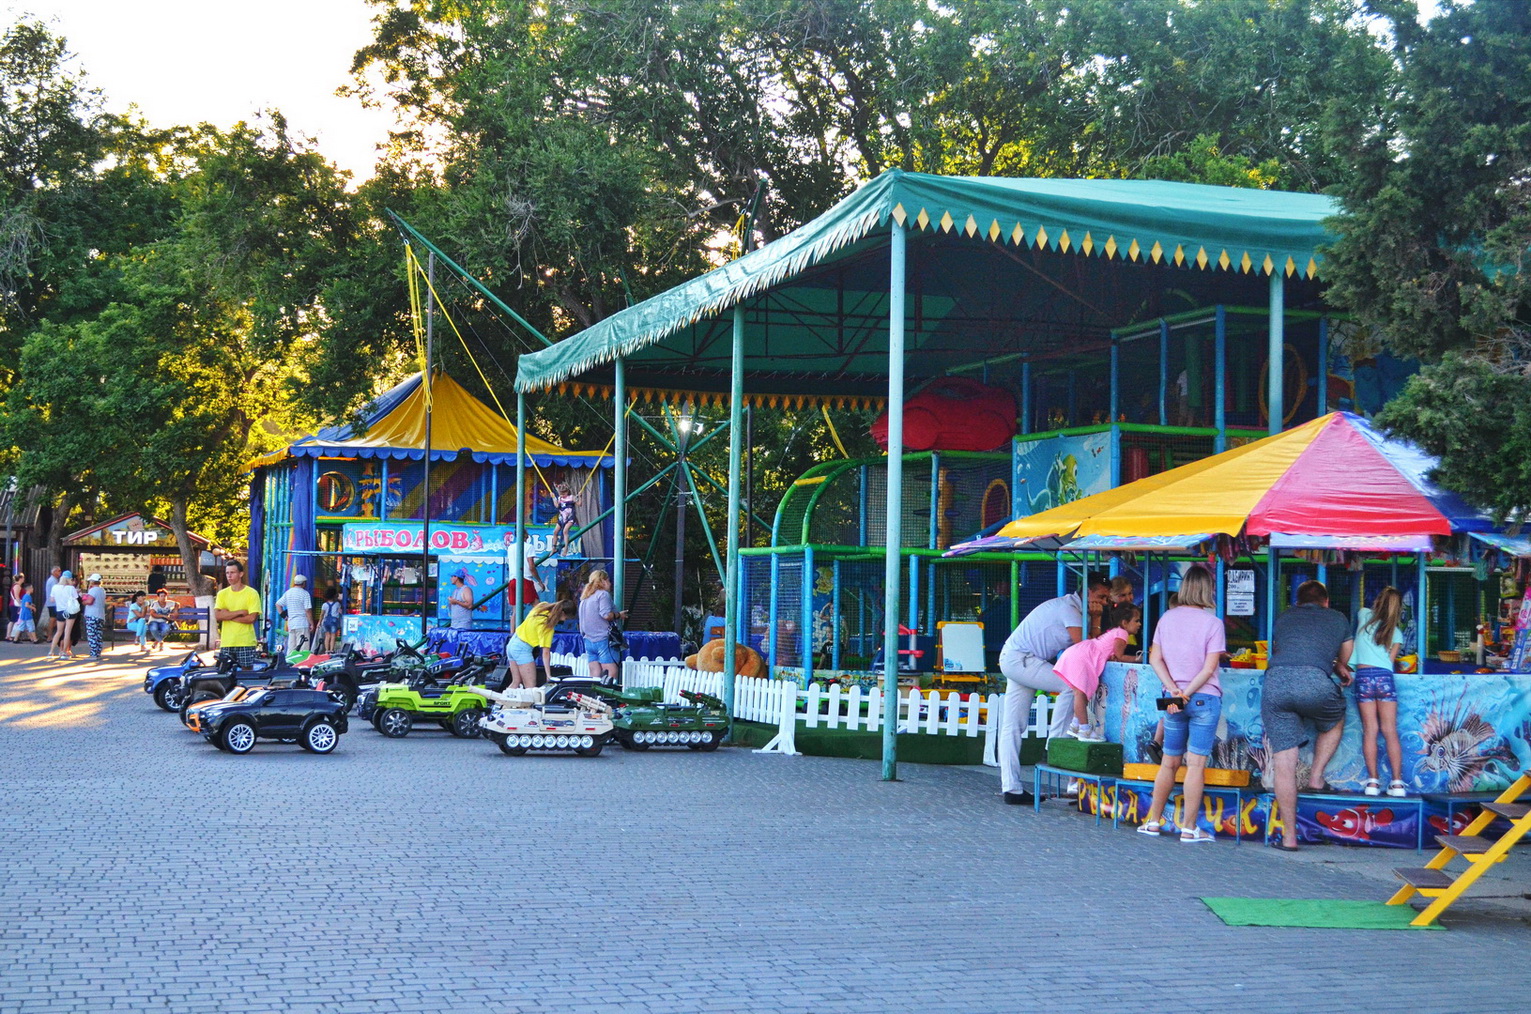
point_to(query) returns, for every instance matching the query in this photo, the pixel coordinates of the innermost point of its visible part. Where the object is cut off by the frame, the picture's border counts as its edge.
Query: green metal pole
(619, 481)
(1275, 398)
(519, 562)
(731, 553)
(895, 522)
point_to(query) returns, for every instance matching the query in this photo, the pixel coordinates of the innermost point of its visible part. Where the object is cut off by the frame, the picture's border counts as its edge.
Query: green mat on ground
(1313, 913)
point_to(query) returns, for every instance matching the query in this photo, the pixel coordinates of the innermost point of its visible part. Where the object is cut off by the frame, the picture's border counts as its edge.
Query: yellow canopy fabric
(460, 423)
(1211, 496)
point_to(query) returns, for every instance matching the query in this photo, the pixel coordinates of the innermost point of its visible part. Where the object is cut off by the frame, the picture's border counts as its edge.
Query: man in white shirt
(298, 607)
(1027, 662)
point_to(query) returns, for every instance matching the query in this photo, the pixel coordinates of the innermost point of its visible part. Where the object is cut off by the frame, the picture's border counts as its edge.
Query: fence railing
(784, 704)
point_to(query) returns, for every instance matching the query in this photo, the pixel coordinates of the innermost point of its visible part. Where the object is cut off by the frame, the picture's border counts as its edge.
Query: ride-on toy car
(454, 706)
(167, 683)
(523, 720)
(312, 717)
(642, 719)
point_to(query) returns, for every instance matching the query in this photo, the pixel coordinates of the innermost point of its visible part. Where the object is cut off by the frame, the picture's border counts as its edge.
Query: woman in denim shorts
(1188, 644)
(1378, 639)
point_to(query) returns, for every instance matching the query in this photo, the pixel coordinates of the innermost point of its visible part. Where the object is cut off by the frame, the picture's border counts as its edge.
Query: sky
(216, 61)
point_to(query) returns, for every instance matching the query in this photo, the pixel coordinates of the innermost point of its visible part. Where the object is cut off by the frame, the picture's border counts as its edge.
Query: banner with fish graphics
(1461, 732)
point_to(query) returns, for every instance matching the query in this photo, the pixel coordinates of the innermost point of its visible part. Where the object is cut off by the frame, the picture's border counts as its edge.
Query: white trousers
(1024, 678)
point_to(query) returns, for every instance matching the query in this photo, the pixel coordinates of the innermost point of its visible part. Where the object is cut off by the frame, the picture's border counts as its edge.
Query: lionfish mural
(1460, 747)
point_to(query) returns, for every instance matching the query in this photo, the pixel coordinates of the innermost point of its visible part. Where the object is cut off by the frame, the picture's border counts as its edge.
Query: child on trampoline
(564, 526)
(1081, 665)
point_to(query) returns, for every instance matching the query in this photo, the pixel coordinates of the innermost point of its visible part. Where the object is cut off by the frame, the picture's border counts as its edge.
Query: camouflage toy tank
(642, 719)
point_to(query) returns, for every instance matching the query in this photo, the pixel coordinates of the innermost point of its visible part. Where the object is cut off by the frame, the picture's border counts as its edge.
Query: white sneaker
(1092, 734)
(1371, 787)
(1072, 787)
(1076, 731)
(1397, 789)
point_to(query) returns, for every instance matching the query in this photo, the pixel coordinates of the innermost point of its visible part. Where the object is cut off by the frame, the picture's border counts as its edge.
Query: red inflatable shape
(954, 414)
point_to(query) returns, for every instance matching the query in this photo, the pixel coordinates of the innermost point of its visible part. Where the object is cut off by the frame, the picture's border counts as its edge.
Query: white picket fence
(784, 704)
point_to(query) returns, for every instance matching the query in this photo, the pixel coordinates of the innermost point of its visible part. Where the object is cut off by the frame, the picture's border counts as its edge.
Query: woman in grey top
(1310, 655)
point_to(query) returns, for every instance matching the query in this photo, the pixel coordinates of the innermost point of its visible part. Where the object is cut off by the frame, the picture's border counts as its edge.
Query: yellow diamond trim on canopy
(899, 214)
(1088, 246)
(1213, 496)
(971, 228)
(1179, 255)
(1268, 266)
(1245, 263)
(1134, 250)
(1016, 235)
(1156, 251)
(946, 221)
(1063, 241)
(994, 230)
(1201, 258)
(1110, 246)
(1041, 236)
(1223, 261)
(922, 219)
(1312, 267)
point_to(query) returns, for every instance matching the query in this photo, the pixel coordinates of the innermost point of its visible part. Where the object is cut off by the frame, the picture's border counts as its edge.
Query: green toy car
(641, 719)
(453, 706)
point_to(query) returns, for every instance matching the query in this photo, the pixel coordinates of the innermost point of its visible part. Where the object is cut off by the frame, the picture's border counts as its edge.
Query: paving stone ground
(146, 871)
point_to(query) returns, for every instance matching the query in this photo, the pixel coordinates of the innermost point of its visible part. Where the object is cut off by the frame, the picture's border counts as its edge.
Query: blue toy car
(167, 683)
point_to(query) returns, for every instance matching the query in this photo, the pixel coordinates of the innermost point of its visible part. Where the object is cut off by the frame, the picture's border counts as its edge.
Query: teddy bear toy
(747, 661)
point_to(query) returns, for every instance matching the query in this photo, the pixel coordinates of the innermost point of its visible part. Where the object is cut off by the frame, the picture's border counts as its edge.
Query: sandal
(1283, 847)
(1371, 787)
(1196, 836)
(1156, 827)
(1397, 788)
(1326, 790)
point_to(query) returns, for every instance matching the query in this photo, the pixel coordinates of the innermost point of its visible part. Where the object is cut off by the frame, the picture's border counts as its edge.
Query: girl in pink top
(1081, 665)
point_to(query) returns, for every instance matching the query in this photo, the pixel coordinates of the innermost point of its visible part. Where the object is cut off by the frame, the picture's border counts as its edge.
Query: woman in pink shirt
(1188, 642)
(1081, 664)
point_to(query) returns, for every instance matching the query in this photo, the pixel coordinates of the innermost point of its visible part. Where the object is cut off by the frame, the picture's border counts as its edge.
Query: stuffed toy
(747, 661)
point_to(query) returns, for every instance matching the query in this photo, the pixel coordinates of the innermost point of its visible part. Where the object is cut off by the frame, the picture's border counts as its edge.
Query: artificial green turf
(1313, 913)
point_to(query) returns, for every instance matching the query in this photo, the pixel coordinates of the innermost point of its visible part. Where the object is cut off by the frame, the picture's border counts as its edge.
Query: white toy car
(521, 720)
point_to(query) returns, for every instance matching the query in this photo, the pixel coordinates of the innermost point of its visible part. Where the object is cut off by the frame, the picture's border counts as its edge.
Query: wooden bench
(194, 624)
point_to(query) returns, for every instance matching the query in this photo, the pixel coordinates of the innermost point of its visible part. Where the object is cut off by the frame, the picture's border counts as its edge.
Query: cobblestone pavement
(146, 871)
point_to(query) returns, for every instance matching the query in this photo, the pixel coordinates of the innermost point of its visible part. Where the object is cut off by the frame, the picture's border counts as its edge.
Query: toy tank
(642, 720)
(522, 720)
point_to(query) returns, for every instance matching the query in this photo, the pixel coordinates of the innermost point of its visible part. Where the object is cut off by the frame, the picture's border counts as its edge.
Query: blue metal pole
(771, 625)
(1272, 579)
(1275, 398)
(732, 569)
(1026, 396)
(1220, 413)
(1164, 371)
(1222, 588)
(1323, 365)
(1421, 614)
(805, 617)
(914, 593)
(896, 271)
(1063, 571)
(834, 651)
(382, 495)
(518, 556)
(1116, 380)
(619, 481)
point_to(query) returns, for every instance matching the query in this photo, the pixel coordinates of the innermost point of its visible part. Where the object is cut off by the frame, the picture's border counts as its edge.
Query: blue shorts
(1374, 684)
(1196, 722)
(519, 651)
(600, 651)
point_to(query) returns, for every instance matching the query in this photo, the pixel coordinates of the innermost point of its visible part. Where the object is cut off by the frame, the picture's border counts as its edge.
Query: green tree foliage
(1435, 236)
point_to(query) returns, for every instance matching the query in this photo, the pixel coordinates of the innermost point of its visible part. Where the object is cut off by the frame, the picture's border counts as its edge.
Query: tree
(1434, 238)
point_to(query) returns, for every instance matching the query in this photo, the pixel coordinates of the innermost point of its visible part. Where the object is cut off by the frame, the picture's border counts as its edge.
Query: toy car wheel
(465, 723)
(320, 737)
(168, 695)
(710, 743)
(629, 743)
(238, 736)
(590, 751)
(394, 723)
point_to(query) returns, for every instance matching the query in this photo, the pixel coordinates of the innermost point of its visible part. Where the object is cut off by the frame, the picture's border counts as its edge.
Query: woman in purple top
(1188, 641)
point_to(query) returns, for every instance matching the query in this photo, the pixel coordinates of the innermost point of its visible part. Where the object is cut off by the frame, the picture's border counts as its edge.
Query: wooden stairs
(1444, 886)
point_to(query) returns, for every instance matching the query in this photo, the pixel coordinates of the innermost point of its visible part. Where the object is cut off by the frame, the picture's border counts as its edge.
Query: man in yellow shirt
(237, 611)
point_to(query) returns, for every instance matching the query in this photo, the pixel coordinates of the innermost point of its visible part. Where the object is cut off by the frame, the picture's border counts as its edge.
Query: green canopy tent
(926, 275)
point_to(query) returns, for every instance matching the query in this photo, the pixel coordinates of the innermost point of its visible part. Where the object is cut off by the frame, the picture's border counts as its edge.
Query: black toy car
(313, 717)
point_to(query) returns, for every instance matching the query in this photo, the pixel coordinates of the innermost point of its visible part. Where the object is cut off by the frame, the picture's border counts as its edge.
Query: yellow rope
(410, 263)
(835, 436)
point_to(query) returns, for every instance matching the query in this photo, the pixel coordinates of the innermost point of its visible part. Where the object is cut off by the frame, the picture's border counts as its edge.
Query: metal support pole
(1164, 371)
(1222, 588)
(834, 613)
(1015, 598)
(1272, 579)
(518, 558)
(1421, 614)
(805, 616)
(895, 522)
(1275, 398)
(619, 482)
(1220, 381)
(425, 485)
(731, 617)
(1116, 380)
(1026, 396)
(1323, 365)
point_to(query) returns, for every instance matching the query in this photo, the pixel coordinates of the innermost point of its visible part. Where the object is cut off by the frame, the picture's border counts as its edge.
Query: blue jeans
(519, 651)
(600, 651)
(1194, 727)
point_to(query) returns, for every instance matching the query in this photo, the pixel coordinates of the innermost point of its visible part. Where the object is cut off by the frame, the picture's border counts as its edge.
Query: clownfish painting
(1355, 823)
